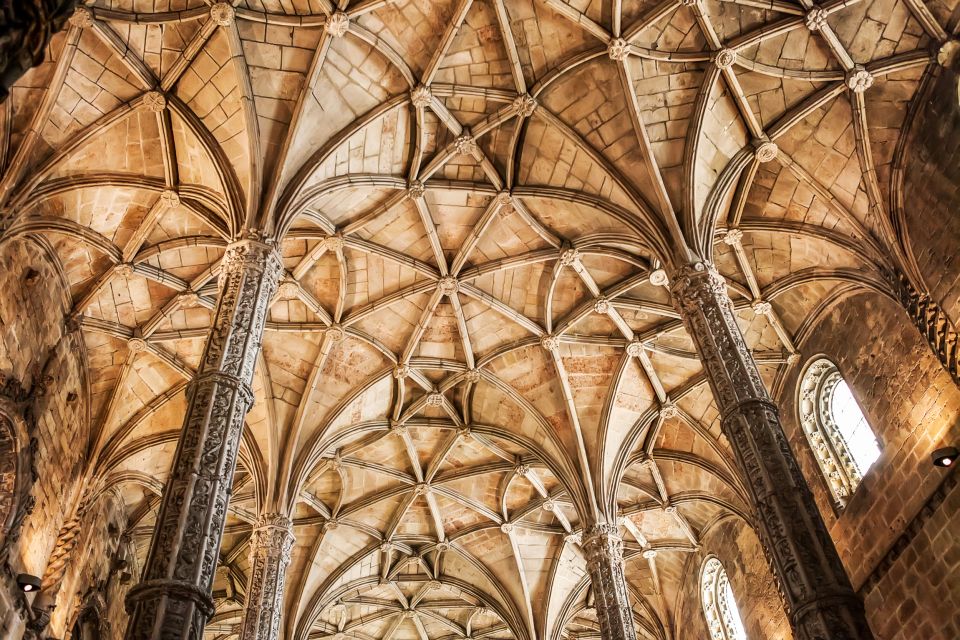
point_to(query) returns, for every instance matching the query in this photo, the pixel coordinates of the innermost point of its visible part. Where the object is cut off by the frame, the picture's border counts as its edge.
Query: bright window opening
(838, 432)
(719, 605)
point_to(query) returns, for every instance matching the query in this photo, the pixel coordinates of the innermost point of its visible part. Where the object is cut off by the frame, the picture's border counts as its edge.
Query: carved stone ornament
(288, 289)
(448, 285)
(337, 24)
(124, 269)
(816, 19)
(137, 345)
(659, 278)
(270, 548)
(170, 198)
(333, 243)
(933, 323)
(668, 410)
(154, 101)
(765, 150)
(569, 256)
(421, 96)
(603, 550)
(435, 400)
(725, 58)
(173, 600)
(618, 49)
(472, 376)
(188, 299)
(859, 79)
(401, 371)
(222, 14)
(506, 527)
(817, 595)
(525, 105)
(761, 308)
(416, 189)
(732, 237)
(82, 17)
(635, 349)
(601, 305)
(550, 342)
(465, 145)
(335, 333)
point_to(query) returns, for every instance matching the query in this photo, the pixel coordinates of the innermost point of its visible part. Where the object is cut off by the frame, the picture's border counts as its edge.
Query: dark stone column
(817, 595)
(603, 549)
(26, 27)
(270, 548)
(173, 601)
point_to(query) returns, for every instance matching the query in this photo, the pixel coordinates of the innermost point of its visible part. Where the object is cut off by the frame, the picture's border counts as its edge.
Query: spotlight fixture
(945, 457)
(28, 583)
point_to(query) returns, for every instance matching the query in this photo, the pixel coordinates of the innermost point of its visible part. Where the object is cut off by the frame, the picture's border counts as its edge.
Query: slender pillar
(270, 548)
(603, 549)
(173, 600)
(26, 27)
(819, 600)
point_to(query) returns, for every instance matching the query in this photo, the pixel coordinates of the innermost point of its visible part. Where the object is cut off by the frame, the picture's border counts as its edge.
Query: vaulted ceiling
(473, 350)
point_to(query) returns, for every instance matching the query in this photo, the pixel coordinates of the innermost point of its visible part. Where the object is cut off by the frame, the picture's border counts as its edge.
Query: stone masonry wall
(932, 192)
(34, 345)
(913, 407)
(737, 547)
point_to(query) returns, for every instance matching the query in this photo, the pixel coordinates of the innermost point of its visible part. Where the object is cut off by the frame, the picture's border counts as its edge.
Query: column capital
(273, 534)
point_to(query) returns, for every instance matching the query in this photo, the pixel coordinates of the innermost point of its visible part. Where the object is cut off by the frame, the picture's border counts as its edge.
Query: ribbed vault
(472, 352)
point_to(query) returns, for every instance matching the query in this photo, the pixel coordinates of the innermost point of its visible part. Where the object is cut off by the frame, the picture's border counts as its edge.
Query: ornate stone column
(26, 27)
(603, 549)
(173, 600)
(270, 548)
(817, 594)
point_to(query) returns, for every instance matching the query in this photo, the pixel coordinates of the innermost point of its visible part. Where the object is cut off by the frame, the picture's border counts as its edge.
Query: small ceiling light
(946, 456)
(28, 583)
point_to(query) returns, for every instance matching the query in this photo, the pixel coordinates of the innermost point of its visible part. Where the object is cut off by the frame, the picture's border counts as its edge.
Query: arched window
(839, 434)
(719, 607)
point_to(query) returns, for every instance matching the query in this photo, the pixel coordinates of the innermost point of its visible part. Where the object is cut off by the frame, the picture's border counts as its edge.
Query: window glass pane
(853, 426)
(734, 623)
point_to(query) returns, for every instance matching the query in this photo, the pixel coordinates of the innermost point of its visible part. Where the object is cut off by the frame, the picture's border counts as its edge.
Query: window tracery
(838, 433)
(719, 605)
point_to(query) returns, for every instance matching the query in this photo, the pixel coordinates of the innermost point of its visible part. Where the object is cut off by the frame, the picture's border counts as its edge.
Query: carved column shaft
(816, 591)
(173, 600)
(270, 548)
(603, 549)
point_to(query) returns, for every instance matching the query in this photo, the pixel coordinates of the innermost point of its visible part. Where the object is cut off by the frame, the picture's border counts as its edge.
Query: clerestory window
(719, 606)
(839, 434)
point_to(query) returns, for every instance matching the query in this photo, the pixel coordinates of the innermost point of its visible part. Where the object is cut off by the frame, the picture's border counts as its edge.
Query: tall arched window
(838, 433)
(719, 607)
